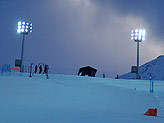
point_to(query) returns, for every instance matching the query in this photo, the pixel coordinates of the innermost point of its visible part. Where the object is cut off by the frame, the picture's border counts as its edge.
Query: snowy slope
(73, 99)
(155, 68)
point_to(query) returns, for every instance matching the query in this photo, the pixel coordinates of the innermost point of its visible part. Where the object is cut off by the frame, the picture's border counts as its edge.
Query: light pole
(138, 35)
(24, 28)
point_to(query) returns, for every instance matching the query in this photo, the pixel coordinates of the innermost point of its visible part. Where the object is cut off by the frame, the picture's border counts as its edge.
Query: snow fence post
(151, 85)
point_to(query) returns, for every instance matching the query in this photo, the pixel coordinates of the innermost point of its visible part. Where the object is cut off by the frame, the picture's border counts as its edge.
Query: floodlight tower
(24, 28)
(138, 35)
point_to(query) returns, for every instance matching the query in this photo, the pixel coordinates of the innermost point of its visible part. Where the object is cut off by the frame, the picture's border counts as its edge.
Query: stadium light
(138, 35)
(24, 28)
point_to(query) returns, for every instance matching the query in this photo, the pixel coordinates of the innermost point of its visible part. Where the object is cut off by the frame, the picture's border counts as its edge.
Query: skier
(40, 69)
(35, 71)
(103, 75)
(46, 70)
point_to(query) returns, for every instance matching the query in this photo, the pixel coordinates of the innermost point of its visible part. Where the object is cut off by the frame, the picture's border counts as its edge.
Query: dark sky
(68, 34)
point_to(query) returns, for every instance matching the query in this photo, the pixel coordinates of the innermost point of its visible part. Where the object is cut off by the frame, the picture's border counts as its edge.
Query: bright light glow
(139, 38)
(144, 31)
(24, 27)
(18, 30)
(22, 30)
(138, 35)
(140, 31)
(26, 30)
(19, 23)
(136, 30)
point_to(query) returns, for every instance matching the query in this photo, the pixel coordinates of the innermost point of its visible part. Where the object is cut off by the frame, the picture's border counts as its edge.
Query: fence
(6, 69)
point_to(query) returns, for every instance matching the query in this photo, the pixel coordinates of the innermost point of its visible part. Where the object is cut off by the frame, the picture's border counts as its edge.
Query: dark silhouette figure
(36, 68)
(40, 69)
(46, 70)
(103, 75)
(117, 77)
(35, 71)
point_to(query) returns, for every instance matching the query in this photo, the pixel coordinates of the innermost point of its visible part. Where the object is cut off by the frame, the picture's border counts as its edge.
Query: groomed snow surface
(74, 99)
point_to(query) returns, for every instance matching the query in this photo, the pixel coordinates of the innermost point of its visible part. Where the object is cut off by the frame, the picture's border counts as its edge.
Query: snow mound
(153, 68)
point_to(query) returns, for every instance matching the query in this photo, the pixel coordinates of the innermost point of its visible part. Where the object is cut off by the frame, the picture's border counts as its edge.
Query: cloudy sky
(68, 34)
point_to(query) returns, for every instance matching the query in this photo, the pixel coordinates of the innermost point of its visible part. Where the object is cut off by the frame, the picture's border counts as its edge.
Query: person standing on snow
(117, 77)
(46, 70)
(103, 75)
(35, 71)
(40, 69)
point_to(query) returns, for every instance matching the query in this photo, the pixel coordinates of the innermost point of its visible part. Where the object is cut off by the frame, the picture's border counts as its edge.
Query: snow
(74, 99)
(153, 68)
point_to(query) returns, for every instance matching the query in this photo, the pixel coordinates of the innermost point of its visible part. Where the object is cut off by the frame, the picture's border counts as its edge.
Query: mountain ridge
(152, 68)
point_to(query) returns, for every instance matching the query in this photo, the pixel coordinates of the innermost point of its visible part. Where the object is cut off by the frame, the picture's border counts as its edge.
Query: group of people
(45, 71)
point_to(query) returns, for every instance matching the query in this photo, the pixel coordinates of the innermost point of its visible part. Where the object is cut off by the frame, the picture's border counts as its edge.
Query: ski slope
(74, 99)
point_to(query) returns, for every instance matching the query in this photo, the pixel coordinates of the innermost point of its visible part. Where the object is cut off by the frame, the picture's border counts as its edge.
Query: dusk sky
(69, 34)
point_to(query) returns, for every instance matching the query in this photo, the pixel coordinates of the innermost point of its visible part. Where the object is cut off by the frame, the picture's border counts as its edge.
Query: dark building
(87, 71)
